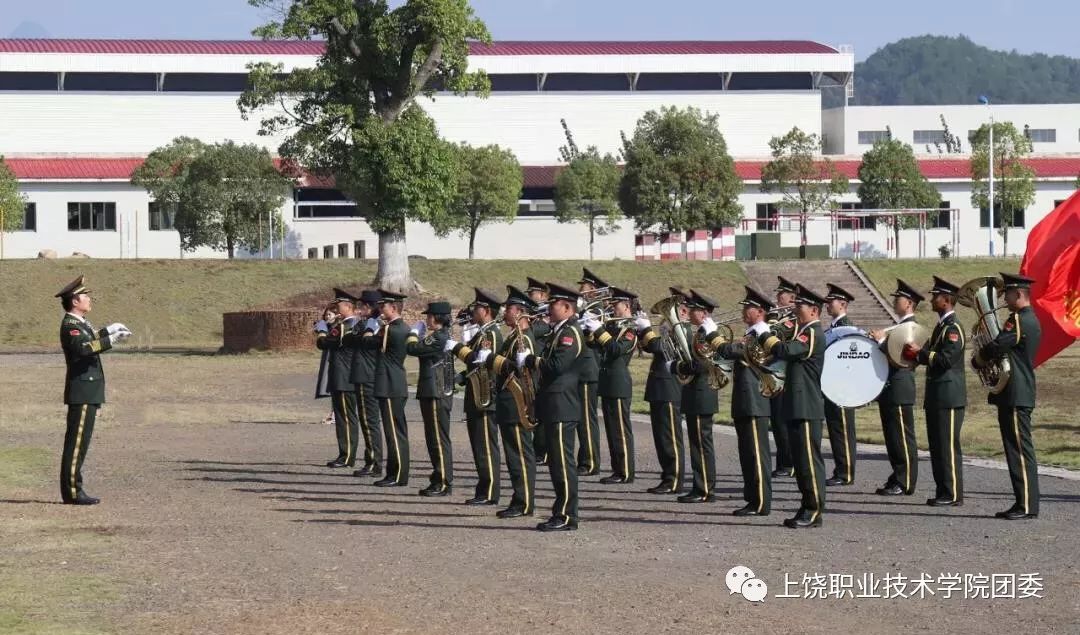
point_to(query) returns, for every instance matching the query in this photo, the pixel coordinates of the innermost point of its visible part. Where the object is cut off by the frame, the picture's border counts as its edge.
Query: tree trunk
(592, 234)
(393, 273)
(1004, 240)
(472, 241)
(896, 235)
(230, 246)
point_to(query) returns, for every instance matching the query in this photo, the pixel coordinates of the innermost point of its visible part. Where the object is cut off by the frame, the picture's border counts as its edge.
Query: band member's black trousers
(841, 424)
(392, 411)
(753, 438)
(947, 460)
(668, 438)
(367, 407)
(1015, 424)
(699, 431)
(780, 434)
(521, 464)
(898, 426)
(620, 436)
(540, 445)
(80, 427)
(484, 439)
(561, 466)
(805, 437)
(588, 458)
(345, 425)
(436, 414)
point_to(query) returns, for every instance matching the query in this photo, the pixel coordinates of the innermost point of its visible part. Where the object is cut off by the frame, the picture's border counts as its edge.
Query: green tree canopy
(678, 174)
(808, 181)
(889, 178)
(224, 194)
(1014, 180)
(12, 202)
(488, 190)
(353, 115)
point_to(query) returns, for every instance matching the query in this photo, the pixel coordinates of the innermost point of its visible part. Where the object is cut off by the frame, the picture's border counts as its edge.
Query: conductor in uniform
(840, 421)
(1017, 341)
(84, 384)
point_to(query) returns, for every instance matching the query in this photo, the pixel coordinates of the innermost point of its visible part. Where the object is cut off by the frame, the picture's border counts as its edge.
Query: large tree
(808, 181)
(587, 189)
(12, 201)
(488, 191)
(224, 195)
(889, 178)
(1014, 180)
(354, 117)
(678, 174)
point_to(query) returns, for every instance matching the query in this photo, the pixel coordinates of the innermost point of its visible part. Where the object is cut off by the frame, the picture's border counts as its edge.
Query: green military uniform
(699, 404)
(783, 324)
(664, 395)
(339, 384)
(614, 346)
(945, 401)
(896, 409)
(479, 418)
(1018, 341)
(841, 421)
(558, 407)
(804, 408)
(363, 378)
(750, 410)
(541, 330)
(588, 459)
(435, 406)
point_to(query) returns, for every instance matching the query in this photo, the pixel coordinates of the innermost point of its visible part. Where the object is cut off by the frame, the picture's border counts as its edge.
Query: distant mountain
(935, 70)
(30, 30)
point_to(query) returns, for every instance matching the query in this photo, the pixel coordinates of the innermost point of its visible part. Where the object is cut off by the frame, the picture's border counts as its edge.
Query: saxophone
(981, 294)
(480, 377)
(521, 386)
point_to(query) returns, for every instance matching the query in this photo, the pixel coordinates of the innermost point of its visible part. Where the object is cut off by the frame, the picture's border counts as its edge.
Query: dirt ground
(218, 517)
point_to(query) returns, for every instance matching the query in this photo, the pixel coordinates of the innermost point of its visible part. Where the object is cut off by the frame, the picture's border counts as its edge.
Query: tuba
(981, 294)
(672, 335)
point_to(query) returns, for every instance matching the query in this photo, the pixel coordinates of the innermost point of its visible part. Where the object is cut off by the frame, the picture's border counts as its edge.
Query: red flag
(1052, 258)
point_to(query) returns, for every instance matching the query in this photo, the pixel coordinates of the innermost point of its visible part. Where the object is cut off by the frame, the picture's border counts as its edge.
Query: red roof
(294, 47)
(98, 168)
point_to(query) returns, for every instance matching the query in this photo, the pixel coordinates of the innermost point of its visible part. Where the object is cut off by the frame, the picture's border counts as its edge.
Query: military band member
(1018, 340)
(783, 322)
(517, 441)
(84, 384)
(540, 330)
(665, 402)
(588, 432)
(945, 399)
(388, 335)
(342, 391)
(480, 418)
(896, 404)
(559, 403)
(362, 376)
(840, 421)
(614, 344)
(427, 342)
(803, 403)
(750, 410)
(700, 402)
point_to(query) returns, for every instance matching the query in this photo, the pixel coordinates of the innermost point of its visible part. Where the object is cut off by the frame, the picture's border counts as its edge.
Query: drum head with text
(855, 371)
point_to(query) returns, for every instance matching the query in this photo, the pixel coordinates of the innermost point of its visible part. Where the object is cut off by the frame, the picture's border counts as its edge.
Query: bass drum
(855, 371)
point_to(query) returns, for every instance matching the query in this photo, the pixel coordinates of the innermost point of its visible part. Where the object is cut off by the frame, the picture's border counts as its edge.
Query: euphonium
(479, 377)
(673, 342)
(981, 294)
(522, 387)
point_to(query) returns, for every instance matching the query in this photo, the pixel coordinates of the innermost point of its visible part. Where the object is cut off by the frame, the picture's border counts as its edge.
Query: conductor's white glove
(642, 323)
(372, 325)
(709, 325)
(760, 328)
(520, 358)
(119, 336)
(482, 356)
(449, 346)
(116, 327)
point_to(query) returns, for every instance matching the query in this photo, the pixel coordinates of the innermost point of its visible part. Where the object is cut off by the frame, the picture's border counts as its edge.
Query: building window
(313, 253)
(162, 216)
(1018, 219)
(863, 222)
(91, 216)
(870, 137)
(359, 249)
(764, 214)
(929, 136)
(328, 251)
(1041, 135)
(942, 219)
(343, 250)
(29, 223)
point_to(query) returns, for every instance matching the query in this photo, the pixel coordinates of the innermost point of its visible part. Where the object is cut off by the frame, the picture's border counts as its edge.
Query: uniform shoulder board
(70, 322)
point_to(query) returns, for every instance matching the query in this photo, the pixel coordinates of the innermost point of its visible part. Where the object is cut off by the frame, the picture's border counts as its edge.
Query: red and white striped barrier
(723, 243)
(671, 247)
(645, 247)
(697, 244)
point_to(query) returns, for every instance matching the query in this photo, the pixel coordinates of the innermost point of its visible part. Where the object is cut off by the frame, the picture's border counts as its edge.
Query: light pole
(990, 213)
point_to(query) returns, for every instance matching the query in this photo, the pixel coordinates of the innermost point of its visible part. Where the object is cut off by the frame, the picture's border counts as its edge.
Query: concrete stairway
(869, 310)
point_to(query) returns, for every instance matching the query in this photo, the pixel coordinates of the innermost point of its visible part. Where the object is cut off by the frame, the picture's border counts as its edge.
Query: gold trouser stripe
(393, 435)
(674, 444)
(524, 471)
(757, 466)
(952, 451)
(903, 439)
(1020, 450)
(438, 441)
(348, 437)
(701, 451)
(588, 427)
(622, 433)
(360, 406)
(487, 453)
(565, 478)
(847, 446)
(75, 455)
(813, 471)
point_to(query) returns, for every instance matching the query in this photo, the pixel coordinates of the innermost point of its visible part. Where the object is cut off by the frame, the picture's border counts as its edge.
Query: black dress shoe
(944, 502)
(436, 491)
(584, 471)
(368, 470)
(1015, 514)
(836, 480)
(512, 512)
(696, 498)
(83, 499)
(558, 524)
(481, 501)
(615, 479)
(802, 522)
(663, 488)
(335, 463)
(749, 510)
(389, 482)
(782, 472)
(890, 490)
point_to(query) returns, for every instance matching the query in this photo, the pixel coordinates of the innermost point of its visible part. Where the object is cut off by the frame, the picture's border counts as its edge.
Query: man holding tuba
(840, 421)
(427, 342)
(946, 395)
(479, 399)
(1018, 340)
(782, 321)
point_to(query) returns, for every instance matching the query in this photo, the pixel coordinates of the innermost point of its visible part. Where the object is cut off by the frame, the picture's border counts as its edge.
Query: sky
(1027, 26)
